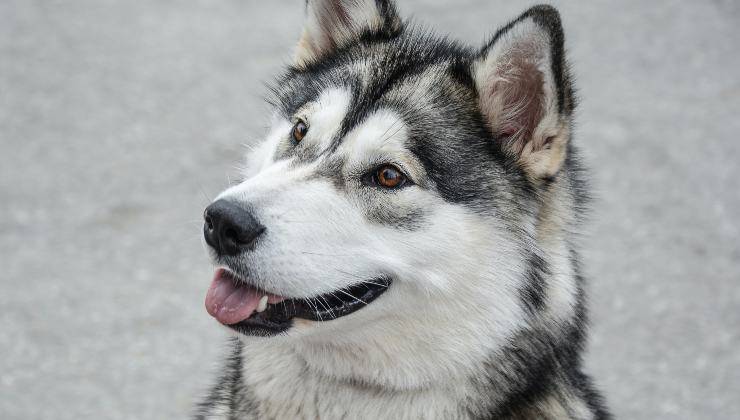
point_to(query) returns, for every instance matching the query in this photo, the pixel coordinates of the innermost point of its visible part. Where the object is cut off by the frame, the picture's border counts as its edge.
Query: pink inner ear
(517, 88)
(508, 131)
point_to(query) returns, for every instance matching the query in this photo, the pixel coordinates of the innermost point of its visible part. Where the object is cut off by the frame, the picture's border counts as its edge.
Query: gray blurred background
(118, 119)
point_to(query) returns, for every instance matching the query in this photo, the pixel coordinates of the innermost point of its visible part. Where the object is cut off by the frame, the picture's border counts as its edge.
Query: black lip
(279, 317)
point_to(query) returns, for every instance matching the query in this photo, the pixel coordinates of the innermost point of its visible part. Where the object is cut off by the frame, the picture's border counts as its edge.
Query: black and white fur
(485, 317)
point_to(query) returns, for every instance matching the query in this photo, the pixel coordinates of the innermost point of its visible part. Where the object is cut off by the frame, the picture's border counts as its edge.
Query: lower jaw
(279, 318)
(256, 326)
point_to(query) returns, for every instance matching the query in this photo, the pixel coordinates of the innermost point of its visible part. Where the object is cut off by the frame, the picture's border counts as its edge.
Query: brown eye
(388, 176)
(299, 131)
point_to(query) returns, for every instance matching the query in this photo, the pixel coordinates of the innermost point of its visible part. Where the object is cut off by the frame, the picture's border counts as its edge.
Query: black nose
(229, 228)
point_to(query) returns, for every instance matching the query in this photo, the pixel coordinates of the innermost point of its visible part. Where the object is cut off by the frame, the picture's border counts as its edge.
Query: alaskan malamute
(403, 244)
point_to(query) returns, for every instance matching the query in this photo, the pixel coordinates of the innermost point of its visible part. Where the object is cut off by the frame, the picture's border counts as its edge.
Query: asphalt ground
(119, 119)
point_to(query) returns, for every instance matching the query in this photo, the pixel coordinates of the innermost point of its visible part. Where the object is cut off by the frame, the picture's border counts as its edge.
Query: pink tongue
(230, 302)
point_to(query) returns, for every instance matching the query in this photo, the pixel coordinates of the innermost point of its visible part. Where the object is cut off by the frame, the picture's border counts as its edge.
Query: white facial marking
(324, 116)
(381, 138)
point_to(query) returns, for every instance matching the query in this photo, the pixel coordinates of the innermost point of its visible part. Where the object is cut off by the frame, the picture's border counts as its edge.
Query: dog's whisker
(382, 136)
(329, 255)
(385, 140)
(349, 274)
(353, 297)
(331, 311)
(315, 308)
(376, 284)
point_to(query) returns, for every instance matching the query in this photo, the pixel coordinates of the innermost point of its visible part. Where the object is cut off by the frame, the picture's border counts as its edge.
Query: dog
(404, 243)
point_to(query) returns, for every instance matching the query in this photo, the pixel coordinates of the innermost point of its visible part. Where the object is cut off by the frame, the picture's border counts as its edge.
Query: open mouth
(248, 310)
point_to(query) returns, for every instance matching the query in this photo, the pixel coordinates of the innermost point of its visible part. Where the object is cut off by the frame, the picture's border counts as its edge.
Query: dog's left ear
(524, 91)
(332, 24)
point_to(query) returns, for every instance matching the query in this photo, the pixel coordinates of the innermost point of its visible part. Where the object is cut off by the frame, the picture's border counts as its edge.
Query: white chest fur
(282, 386)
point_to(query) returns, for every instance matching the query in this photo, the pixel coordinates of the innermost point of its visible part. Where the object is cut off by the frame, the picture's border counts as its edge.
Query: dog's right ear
(332, 24)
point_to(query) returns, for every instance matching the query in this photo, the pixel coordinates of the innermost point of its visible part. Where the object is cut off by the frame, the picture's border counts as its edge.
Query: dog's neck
(281, 385)
(275, 381)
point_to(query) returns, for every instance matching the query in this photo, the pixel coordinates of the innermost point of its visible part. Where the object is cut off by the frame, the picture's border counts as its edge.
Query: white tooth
(263, 304)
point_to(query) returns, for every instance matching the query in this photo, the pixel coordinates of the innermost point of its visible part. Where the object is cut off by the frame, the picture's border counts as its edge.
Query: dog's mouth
(251, 311)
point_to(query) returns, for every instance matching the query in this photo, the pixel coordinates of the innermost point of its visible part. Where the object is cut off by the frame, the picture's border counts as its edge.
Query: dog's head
(397, 196)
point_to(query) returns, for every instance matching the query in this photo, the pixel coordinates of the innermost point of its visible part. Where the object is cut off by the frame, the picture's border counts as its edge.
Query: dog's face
(395, 188)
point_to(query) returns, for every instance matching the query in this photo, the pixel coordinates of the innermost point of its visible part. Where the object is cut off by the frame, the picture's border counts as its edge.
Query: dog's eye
(299, 131)
(388, 176)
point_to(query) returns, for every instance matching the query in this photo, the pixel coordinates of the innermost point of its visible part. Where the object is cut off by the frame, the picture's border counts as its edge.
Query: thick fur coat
(443, 179)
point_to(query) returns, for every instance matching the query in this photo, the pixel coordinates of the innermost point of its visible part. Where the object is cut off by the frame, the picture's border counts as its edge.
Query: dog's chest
(280, 386)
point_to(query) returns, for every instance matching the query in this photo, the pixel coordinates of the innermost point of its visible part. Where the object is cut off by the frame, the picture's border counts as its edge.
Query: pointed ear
(525, 93)
(332, 24)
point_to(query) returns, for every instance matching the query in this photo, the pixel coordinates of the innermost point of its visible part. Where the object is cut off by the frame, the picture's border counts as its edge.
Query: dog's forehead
(357, 109)
(375, 73)
(381, 136)
(421, 84)
(383, 132)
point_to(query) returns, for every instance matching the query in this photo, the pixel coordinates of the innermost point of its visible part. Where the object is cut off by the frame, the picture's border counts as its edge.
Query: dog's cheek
(404, 210)
(316, 241)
